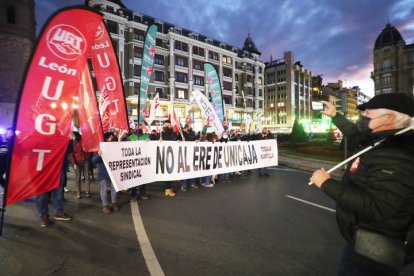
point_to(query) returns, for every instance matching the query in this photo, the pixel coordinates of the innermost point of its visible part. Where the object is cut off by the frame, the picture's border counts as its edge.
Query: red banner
(57, 82)
(89, 121)
(108, 77)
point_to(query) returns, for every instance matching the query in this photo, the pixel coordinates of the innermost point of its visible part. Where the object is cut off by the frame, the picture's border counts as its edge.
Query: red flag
(56, 75)
(174, 122)
(89, 120)
(109, 82)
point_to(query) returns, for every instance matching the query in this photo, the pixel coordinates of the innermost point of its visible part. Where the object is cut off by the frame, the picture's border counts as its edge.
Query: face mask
(225, 136)
(362, 125)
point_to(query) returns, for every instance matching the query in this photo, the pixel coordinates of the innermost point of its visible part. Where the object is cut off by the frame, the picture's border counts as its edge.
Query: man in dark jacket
(263, 136)
(168, 134)
(189, 136)
(105, 180)
(376, 192)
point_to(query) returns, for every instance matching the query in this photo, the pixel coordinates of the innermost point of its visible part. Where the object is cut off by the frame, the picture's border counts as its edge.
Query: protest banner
(131, 164)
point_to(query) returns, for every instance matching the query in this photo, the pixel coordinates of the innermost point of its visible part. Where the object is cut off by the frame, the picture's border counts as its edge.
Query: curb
(308, 165)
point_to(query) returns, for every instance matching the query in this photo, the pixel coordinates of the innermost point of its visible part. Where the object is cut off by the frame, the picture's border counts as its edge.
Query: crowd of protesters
(83, 164)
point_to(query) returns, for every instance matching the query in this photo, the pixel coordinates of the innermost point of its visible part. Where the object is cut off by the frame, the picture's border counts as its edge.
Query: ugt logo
(66, 42)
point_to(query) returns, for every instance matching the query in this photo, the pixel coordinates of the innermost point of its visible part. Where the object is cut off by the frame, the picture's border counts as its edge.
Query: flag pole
(368, 149)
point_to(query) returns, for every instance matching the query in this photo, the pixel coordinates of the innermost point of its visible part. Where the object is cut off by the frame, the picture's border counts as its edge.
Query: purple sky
(334, 38)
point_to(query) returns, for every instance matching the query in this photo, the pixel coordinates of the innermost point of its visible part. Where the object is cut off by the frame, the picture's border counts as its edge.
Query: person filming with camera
(375, 197)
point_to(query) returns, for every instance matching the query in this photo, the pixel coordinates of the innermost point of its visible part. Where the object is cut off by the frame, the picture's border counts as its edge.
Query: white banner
(130, 164)
(208, 111)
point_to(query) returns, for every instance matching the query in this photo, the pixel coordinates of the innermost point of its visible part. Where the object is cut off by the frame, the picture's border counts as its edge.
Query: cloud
(328, 36)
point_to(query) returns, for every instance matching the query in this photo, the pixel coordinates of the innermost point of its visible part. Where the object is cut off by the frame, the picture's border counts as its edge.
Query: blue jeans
(82, 166)
(263, 171)
(105, 185)
(224, 176)
(348, 265)
(186, 182)
(205, 180)
(57, 198)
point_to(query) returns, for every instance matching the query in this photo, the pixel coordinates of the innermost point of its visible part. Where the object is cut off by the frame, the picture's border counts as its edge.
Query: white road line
(311, 203)
(146, 248)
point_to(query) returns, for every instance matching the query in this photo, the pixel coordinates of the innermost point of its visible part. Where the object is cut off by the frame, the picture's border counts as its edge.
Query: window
(136, 88)
(387, 64)
(159, 59)
(198, 80)
(213, 55)
(386, 79)
(181, 94)
(11, 15)
(227, 85)
(137, 18)
(227, 59)
(137, 70)
(197, 65)
(159, 76)
(112, 26)
(161, 43)
(227, 72)
(198, 51)
(159, 27)
(181, 61)
(181, 46)
(160, 92)
(139, 35)
(181, 77)
(137, 52)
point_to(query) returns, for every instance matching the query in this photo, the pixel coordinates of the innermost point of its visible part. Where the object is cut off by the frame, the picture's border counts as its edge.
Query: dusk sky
(334, 38)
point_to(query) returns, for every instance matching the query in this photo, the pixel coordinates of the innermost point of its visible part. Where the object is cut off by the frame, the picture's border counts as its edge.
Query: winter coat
(77, 153)
(377, 190)
(101, 169)
(169, 136)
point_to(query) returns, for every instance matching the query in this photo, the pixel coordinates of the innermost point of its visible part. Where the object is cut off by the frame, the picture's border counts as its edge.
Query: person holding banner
(189, 135)
(375, 198)
(263, 136)
(104, 179)
(79, 159)
(168, 134)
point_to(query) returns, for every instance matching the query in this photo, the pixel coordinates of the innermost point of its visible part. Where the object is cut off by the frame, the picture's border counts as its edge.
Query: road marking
(281, 169)
(153, 265)
(311, 203)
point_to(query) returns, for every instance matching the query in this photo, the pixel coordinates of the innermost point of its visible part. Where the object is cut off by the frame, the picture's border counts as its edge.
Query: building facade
(288, 90)
(393, 63)
(17, 37)
(179, 66)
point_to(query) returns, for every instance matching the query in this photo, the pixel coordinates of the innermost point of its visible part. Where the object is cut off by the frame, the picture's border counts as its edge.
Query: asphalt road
(250, 226)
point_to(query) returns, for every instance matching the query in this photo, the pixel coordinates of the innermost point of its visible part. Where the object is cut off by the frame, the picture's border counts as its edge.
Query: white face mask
(225, 136)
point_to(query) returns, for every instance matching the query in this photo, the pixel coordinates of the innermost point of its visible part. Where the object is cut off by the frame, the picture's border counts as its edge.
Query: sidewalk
(308, 165)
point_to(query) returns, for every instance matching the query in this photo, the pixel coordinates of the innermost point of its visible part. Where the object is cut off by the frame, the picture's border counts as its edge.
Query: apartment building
(288, 90)
(178, 66)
